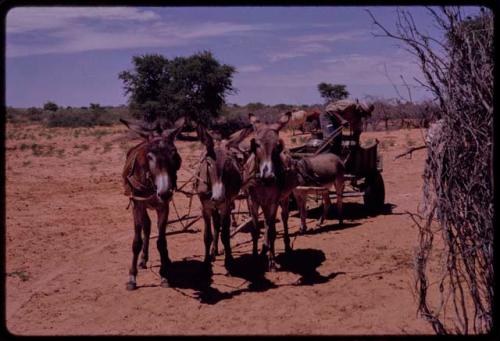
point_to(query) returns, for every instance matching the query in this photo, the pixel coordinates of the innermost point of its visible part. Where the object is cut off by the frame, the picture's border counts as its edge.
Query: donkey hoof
(131, 286)
(164, 283)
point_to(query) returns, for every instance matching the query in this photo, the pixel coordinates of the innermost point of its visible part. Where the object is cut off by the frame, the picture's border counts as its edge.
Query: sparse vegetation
(80, 148)
(99, 133)
(22, 275)
(81, 118)
(107, 147)
(50, 106)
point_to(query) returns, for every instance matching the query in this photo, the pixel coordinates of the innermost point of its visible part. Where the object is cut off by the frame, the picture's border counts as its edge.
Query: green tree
(332, 92)
(96, 107)
(50, 106)
(194, 86)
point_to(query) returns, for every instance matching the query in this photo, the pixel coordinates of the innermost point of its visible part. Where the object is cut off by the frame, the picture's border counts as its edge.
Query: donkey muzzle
(164, 196)
(218, 192)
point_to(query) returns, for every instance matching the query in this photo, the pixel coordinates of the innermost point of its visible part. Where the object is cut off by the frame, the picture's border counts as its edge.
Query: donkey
(149, 177)
(322, 170)
(271, 185)
(218, 184)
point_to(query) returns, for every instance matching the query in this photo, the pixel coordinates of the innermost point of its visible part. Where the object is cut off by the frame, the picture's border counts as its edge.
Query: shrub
(81, 118)
(50, 106)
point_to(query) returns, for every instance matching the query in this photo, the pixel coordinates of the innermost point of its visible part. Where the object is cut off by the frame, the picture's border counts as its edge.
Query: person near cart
(339, 113)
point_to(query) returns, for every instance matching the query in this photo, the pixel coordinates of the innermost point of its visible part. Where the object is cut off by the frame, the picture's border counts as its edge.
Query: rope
(178, 217)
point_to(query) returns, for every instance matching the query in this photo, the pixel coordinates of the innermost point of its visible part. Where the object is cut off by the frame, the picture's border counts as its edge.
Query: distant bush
(13, 115)
(50, 106)
(34, 114)
(229, 124)
(81, 118)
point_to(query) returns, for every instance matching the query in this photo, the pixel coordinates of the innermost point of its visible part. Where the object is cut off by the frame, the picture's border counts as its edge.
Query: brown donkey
(218, 184)
(149, 177)
(272, 183)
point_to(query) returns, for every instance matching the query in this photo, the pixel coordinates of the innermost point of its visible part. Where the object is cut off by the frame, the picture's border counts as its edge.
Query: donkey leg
(226, 223)
(207, 235)
(301, 203)
(139, 211)
(161, 244)
(326, 207)
(339, 189)
(254, 212)
(215, 243)
(145, 247)
(270, 235)
(284, 219)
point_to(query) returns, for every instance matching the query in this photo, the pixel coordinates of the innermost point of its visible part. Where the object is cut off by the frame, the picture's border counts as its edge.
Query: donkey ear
(180, 122)
(284, 120)
(171, 134)
(254, 121)
(281, 145)
(253, 146)
(205, 138)
(137, 128)
(236, 138)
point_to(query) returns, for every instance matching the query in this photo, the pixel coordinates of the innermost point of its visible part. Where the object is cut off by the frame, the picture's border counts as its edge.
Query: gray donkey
(323, 171)
(218, 184)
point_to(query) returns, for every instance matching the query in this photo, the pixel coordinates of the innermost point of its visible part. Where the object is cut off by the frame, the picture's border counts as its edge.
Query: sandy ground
(68, 250)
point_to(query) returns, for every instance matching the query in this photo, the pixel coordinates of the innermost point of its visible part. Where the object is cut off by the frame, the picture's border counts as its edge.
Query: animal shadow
(253, 270)
(195, 275)
(312, 230)
(351, 211)
(304, 262)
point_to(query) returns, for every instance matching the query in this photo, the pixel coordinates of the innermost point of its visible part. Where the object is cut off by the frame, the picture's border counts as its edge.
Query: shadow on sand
(194, 275)
(351, 211)
(304, 262)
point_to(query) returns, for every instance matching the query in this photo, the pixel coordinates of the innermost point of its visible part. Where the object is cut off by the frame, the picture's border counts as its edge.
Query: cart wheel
(374, 196)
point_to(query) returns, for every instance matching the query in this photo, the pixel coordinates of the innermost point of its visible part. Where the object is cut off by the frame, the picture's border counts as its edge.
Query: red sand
(69, 241)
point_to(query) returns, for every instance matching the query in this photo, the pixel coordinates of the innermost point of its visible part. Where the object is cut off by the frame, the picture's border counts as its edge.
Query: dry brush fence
(458, 175)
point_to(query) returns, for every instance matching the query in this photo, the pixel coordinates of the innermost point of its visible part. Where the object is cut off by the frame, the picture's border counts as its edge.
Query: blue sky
(73, 55)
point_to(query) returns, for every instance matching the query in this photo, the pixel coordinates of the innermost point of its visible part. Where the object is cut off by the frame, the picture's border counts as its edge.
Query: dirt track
(68, 249)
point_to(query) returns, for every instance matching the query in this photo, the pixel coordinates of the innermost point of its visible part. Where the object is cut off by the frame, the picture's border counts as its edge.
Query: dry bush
(458, 175)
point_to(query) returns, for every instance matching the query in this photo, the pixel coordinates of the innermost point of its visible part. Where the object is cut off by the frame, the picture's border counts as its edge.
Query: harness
(303, 171)
(210, 163)
(137, 186)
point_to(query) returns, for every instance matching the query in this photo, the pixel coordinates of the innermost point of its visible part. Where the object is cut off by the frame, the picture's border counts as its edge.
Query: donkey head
(160, 158)
(267, 146)
(223, 173)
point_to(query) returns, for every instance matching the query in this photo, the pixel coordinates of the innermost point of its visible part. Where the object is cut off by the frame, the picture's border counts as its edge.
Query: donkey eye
(150, 156)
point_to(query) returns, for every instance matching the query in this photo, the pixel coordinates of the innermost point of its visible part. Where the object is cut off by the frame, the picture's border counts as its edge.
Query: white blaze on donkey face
(266, 169)
(161, 178)
(162, 183)
(218, 191)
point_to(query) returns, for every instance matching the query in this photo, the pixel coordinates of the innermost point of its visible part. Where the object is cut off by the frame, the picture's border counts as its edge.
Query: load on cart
(341, 127)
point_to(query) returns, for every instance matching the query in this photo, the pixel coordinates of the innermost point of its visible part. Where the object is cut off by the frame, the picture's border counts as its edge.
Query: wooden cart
(363, 166)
